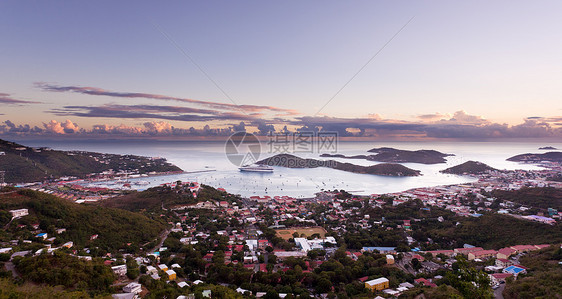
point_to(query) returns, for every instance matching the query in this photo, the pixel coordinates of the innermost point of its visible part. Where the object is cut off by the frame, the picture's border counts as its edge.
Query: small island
(386, 154)
(547, 148)
(386, 169)
(537, 158)
(469, 168)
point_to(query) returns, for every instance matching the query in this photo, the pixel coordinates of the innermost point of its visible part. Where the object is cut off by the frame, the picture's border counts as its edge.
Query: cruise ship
(256, 168)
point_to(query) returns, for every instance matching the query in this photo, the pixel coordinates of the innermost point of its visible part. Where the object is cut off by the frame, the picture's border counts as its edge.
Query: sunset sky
(408, 69)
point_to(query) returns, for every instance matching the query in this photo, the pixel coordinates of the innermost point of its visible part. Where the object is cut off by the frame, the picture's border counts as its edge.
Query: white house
(19, 213)
(133, 287)
(120, 270)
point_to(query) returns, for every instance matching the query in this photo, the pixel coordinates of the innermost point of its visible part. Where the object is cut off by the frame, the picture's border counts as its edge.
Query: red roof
(263, 267)
(467, 250)
(363, 279)
(501, 275)
(507, 251)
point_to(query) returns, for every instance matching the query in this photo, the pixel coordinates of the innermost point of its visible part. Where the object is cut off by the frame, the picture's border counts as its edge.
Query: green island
(469, 168)
(387, 169)
(386, 154)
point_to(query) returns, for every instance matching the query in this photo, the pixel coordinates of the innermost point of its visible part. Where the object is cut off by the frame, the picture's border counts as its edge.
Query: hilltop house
(19, 213)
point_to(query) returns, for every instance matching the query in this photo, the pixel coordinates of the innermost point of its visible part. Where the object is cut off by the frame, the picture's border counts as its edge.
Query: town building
(19, 213)
(132, 287)
(377, 284)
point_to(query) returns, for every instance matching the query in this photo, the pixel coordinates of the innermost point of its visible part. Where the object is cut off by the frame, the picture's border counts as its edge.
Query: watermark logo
(302, 142)
(242, 149)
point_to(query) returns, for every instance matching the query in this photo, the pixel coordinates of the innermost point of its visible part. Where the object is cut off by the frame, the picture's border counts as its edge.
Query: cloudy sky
(376, 69)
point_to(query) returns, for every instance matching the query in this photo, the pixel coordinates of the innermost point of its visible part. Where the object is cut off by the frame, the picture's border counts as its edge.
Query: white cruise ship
(256, 168)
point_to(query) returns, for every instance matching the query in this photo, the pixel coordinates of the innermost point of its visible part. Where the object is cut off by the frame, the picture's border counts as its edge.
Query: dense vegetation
(542, 198)
(67, 271)
(11, 289)
(26, 164)
(153, 199)
(544, 276)
(114, 227)
(490, 231)
(469, 167)
(291, 161)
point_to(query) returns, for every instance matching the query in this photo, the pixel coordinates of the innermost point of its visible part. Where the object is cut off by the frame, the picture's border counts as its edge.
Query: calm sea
(194, 156)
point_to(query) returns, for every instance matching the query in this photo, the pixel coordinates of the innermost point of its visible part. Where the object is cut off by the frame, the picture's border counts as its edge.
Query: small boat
(256, 168)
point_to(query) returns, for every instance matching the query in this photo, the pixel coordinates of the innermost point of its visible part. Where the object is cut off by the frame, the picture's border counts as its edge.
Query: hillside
(535, 158)
(543, 278)
(115, 228)
(25, 164)
(492, 231)
(542, 198)
(155, 198)
(290, 161)
(469, 167)
(386, 154)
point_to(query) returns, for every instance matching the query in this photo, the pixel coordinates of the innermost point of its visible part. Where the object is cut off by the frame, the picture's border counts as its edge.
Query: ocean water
(196, 156)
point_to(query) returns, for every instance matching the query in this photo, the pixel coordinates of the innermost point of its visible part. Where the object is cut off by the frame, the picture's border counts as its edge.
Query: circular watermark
(242, 149)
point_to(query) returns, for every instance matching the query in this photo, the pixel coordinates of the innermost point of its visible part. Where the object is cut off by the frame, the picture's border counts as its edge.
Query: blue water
(203, 156)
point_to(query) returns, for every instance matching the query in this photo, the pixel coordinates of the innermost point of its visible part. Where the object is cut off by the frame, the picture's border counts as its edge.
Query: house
(481, 254)
(182, 284)
(505, 253)
(133, 287)
(515, 270)
(523, 248)
(171, 274)
(406, 224)
(503, 263)
(498, 278)
(377, 284)
(206, 293)
(151, 270)
(19, 213)
(448, 253)
(120, 270)
(68, 244)
(125, 296)
(425, 282)
(466, 251)
(163, 267)
(41, 236)
(389, 259)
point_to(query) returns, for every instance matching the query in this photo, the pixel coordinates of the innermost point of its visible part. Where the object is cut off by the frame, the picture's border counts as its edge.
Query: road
(10, 267)
(498, 292)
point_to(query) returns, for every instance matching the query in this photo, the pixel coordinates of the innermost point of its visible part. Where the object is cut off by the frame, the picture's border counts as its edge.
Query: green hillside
(115, 228)
(542, 198)
(469, 167)
(155, 198)
(25, 164)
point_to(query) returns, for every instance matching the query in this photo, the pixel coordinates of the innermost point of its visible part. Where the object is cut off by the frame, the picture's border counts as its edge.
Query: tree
(323, 285)
(470, 282)
(416, 264)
